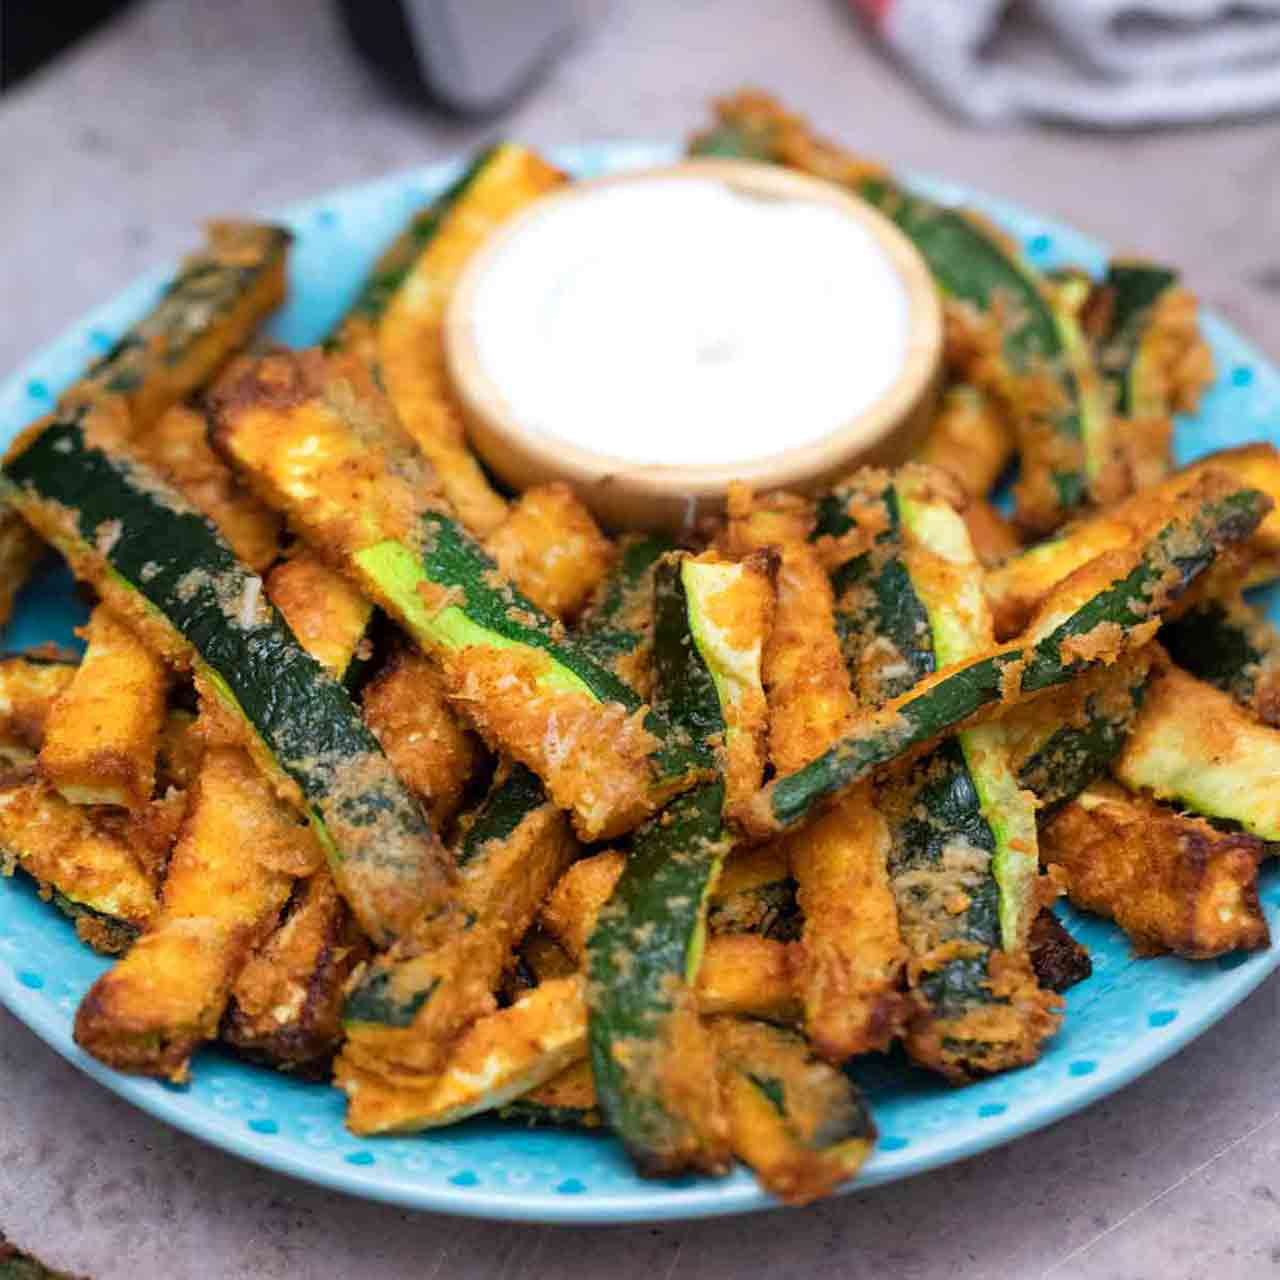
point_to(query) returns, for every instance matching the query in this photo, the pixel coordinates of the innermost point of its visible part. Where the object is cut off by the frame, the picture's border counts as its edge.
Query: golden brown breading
(174, 352)
(29, 688)
(798, 1123)
(745, 974)
(569, 913)
(177, 447)
(457, 958)
(102, 733)
(222, 896)
(287, 1000)
(995, 1035)
(429, 747)
(971, 438)
(1170, 881)
(90, 868)
(851, 956)
(594, 758)
(410, 345)
(731, 622)
(323, 610)
(499, 1057)
(550, 546)
(807, 683)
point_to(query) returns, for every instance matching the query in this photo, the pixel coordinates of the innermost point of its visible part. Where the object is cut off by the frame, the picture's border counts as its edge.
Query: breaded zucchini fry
(1110, 607)
(321, 443)
(327, 614)
(801, 1125)
(970, 437)
(407, 1009)
(499, 1057)
(29, 686)
(1194, 746)
(550, 546)
(431, 750)
(1229, 644)
(726, 608)
(852, 956)
(102, 733)
(177, 447)
(410, 339)
(229, 877)
(741, 973)
(91, 874)
(1016, 588)
(1170, 881)
(205, 313)
(286, 1003)
(1060, 743)
(805, 678)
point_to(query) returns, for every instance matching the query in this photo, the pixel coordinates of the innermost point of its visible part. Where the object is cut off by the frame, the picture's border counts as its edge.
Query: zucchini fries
(450, 798)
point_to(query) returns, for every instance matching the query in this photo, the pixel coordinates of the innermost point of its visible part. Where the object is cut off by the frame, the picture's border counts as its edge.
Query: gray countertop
(185, 109)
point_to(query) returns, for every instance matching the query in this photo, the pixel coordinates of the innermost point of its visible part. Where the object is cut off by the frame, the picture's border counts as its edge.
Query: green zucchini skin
(192, 303)
(1075, 755)
(383, 996)
(1227, 644)
(1134, 288)
(384, 855)
(453, 559)
(941, 809)
(643, 945)
(646, 945)
(506, 806)
(607, 632)
(393, 267)
(538, 1115)
(450, 558)
(875, 598)
(1168, 564)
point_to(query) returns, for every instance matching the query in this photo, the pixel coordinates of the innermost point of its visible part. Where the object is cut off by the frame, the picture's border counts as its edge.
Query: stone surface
(182, 110)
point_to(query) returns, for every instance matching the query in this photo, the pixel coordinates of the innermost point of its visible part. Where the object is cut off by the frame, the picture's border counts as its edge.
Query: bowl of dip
(655, 336)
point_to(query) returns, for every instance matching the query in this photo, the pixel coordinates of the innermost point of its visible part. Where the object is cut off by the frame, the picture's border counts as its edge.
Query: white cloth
(1107, 63)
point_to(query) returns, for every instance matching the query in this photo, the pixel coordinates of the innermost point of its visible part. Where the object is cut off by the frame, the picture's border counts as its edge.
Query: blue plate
(1129, 1016)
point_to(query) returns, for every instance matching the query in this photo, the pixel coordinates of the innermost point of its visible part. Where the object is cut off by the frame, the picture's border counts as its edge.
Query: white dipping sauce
(678, 321)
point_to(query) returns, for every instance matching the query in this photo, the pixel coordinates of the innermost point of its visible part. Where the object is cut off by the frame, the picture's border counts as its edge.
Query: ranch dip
(678, 321)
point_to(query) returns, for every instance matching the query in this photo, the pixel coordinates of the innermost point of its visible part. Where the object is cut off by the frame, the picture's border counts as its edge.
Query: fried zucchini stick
(91, 874)
(852, 954)
(410, 338)
(1171, 881)
(431, 750)
(550, 546)
(230, 874)
(101, 738)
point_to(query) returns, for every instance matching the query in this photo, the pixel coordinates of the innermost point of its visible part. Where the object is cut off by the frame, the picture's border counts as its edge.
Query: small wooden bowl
(629, 495)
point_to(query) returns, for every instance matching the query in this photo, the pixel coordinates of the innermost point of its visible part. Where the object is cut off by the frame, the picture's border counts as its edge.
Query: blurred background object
(470, 57)
(1105, 63)
(33, 32)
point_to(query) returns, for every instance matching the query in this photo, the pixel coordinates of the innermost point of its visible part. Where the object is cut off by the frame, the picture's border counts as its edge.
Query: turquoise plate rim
(1152, 1007)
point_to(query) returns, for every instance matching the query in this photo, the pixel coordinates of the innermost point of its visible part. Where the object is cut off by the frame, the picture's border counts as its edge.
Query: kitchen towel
(1105, 63)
